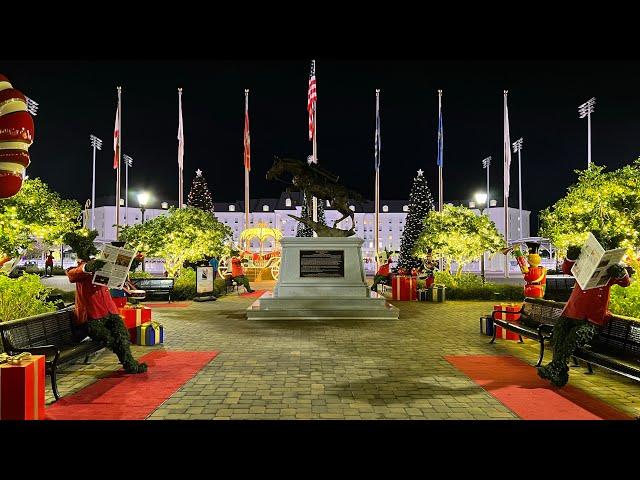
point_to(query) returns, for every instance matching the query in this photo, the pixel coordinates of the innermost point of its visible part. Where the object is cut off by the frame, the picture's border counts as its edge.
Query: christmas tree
(419, 205)
(303, 230)
(199, 195)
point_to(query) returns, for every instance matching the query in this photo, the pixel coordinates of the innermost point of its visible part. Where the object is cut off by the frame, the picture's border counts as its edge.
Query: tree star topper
(420, 172)
(198, 173)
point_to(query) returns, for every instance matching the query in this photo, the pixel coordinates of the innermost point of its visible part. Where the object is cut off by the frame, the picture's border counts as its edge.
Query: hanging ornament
(16, 136)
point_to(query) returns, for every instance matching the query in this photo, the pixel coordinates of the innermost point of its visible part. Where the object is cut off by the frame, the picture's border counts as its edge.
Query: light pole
(585, 110)
(128, 162)
(486, 163)
(481, 199)
(96, 143)
(517, 148)
(143, 199)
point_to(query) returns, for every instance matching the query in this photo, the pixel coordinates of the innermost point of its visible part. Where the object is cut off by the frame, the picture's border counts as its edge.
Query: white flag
(180, 134)
(507, 147)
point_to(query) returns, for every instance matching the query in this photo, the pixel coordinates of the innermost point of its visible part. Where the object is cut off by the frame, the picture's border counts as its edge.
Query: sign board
(114, 272)
(590, 269)
(322, 263)
(204, 279)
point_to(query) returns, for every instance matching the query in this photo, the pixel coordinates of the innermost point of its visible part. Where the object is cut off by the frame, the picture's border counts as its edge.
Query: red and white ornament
(16, 136)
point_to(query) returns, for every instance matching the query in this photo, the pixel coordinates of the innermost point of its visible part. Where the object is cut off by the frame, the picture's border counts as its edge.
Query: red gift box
(22, 389)
(133, 318)
(513, 314)
(120, 302)
(404, 287)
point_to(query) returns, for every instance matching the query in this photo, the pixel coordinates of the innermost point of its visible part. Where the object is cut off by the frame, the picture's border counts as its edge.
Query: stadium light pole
(143, 199)
(585, 110)
(482, 199)
(517, 148)
(486, 163)
(128, 162)
(96, 143)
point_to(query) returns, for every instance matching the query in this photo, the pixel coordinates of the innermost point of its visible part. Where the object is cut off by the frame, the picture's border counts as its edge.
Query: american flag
(116, 135)
(247, 138)
(312, 98)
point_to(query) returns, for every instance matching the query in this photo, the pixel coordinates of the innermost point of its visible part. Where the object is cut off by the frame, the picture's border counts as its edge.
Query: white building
(275, 213)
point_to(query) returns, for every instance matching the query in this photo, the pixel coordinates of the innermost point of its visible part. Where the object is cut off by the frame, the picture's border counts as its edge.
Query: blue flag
(440, 139)
(378, 144)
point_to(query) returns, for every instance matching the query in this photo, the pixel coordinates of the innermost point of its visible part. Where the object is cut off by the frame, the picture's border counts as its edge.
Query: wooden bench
(155, 286)
(48, 334)
(616, 348)
(537, 317)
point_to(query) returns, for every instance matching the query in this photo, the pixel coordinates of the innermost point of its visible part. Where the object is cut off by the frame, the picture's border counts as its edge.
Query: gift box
(150, 333)
(505, 334)
(133, 317)
(404, 287)
(486, 326)
(22, 387)
(512, 309)
(435, 293)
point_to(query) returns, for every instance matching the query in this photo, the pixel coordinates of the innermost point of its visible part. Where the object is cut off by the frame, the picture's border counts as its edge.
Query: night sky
(78, 98)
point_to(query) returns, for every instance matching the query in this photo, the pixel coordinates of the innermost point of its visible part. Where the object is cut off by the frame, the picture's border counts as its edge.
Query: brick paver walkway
(337, 370)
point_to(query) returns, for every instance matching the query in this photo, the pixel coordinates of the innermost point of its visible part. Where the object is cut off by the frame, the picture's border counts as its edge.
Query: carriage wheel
(275, 270)
(223, 266)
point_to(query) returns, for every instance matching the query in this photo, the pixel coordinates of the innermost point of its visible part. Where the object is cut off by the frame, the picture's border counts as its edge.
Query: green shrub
(465, 280)
(626, 301)
(184, 287)
(490, 291)
(67, 296)
(22, 297)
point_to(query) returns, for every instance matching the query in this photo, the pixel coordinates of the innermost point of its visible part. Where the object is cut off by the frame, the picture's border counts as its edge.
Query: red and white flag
(311, 99)
(247, 136)
(116, 139)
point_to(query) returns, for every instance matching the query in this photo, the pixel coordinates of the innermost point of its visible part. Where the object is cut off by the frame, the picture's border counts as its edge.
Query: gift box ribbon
(144, 331)
(15, 359)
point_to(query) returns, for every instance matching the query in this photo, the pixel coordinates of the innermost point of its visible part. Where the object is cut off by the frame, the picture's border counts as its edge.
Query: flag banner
(378, 144)
(247, 137)
(116, 137)
(507, 148)
(440, 137)
(180, 133)
(312, 97)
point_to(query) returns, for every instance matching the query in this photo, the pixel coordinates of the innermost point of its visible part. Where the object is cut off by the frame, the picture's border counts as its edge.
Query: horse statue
(317, 182)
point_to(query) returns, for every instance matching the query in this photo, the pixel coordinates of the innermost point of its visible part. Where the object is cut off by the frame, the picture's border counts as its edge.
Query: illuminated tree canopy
(183, 235)
(459, 235)
(35, 214)
(605, 203)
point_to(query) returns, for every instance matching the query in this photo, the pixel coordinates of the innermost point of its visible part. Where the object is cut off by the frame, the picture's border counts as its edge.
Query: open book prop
(590, 269)
(114, 272)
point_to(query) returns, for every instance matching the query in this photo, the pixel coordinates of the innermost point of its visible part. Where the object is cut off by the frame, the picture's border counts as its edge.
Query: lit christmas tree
(199, 195)
(303, 230)
(419, 205)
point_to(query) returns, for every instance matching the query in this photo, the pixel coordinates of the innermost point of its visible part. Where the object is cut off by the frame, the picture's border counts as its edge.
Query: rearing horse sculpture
(316, 182)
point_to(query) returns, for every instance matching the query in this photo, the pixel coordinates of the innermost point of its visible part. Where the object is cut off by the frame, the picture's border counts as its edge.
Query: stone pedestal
(321, 278)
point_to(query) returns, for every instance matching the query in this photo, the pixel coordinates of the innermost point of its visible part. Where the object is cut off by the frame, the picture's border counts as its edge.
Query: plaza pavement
(337, 369)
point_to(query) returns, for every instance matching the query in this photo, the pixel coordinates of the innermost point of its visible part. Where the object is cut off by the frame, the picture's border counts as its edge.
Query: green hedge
(185, 285)
(22, 297)
(469, 287)
(626, 301)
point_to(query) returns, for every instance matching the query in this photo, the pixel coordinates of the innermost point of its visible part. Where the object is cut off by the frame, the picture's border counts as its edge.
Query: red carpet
(169, 305)
(517, 386)
(256, 293)
(132, 397)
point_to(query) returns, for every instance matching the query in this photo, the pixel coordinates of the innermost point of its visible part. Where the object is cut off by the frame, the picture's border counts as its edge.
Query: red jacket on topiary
(92, 301)
(592, 304)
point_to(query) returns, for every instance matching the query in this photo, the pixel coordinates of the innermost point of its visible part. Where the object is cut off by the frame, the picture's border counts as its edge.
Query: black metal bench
(48, 334)
(155, 286)
(537, 317)
(559, 287)
(616, 348)
(231, 284)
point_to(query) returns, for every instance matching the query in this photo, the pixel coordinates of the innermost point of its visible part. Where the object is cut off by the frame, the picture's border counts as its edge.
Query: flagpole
(440, 182)
(377, 189)
(180, 154)
(246, 170)
(119, 163)
(315, 152)
(506, 152)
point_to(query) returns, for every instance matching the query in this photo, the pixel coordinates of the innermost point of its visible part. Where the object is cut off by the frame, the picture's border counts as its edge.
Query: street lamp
(585, 110)
(96, 143)
(128, 162)
(481, 199)
(143, 199)
(486, 163)
(517, 148)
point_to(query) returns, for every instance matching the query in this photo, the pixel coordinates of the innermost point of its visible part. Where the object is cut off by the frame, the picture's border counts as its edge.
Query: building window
(352, 208)
(405, 208)
(287, 202)
(370, 244)
(265, 208)
(390, 237)
(385, 208)
(328, 203)
(232, 208)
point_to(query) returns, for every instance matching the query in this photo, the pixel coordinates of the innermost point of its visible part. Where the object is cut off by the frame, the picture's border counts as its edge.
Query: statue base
(321, 278)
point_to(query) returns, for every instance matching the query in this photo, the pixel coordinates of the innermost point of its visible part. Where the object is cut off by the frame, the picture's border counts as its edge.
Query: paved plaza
(339, 369)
